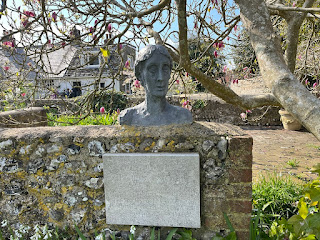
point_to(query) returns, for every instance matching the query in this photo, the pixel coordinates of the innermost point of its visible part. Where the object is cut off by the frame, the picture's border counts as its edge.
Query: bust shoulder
(126, 116)
(180, 115)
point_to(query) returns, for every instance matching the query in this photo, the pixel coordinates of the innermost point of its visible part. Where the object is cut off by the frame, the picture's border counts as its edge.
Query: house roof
(56, 62)
(61, 62)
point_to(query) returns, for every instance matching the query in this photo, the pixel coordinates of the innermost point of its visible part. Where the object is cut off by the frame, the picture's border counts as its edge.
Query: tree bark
(246, 102)
(292, 95)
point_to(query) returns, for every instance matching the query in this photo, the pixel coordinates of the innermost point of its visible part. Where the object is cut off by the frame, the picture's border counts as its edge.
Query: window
(91, 59)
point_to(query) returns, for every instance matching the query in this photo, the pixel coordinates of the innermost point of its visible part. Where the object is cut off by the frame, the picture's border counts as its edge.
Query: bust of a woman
(153, 69)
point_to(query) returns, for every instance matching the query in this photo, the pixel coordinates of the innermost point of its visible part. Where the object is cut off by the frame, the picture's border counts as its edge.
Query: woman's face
(155, 75)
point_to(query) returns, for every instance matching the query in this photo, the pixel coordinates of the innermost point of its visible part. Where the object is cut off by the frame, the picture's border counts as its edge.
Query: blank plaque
(152, 189)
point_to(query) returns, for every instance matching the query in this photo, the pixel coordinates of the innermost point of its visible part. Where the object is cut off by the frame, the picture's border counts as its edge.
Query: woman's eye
(166, 68)
(152, 69)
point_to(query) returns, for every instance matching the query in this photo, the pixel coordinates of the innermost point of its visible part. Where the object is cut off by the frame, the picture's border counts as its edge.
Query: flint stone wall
(54, 175)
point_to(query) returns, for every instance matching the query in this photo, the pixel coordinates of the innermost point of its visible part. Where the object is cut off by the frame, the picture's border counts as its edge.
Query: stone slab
(152, 189)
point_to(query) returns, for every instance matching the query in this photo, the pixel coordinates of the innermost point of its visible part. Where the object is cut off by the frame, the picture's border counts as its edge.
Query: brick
(240, 221)
(240, 142)
(240, 151)
(241, 159)
(214, 222)
(214, 206)
(239, 191)
(243, 235)
(240, 206)
(240, 175)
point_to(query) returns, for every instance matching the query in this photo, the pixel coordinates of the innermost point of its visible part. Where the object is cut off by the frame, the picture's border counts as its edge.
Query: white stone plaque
(152, 189)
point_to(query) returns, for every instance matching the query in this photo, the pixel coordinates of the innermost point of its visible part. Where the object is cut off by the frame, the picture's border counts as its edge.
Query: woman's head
(146, 53)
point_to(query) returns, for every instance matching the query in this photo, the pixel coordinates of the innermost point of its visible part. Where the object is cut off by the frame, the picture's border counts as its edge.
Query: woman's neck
(155, 105)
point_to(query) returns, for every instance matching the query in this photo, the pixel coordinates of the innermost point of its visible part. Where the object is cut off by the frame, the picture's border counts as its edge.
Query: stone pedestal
(54, 175)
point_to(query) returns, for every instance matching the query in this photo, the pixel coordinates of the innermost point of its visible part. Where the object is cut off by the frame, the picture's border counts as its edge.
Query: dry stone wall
(54, 175)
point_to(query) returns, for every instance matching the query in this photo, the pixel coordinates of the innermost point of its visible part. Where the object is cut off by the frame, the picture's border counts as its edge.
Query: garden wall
(54, 175)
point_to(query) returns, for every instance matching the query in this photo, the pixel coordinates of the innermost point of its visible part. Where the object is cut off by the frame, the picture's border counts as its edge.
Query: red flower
(177, 81)
(215, 53)
(109, 27)
(127, 64)
(6, 68)
(54, 16)
(23, 94)
(102, 110)
(136, 83)
(8, 44)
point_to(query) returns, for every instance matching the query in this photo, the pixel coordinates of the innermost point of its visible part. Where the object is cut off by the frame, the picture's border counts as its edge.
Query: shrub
(110, 100)
(276, 196)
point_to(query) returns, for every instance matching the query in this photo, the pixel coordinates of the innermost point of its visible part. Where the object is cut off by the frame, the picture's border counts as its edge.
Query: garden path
(282, 151)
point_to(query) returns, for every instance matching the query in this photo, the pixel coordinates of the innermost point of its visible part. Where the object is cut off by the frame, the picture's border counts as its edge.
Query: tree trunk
(292, 95)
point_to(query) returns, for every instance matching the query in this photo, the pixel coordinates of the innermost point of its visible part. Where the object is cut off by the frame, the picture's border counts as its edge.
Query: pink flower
(243, 116)
(127, 64)
(235, 81)
(136, 83)
(8, 44)
(306, 82)
(215, 53)
(215, 45)
(315, 85)
(118, 111)
(96, 22)
(63, 44)
(185, 103)
(109, 27)
(299, 57)
(195, 25)
(23, 94)
(177, 81)
(54, 16)
(29, 64)
(225, 68)
(248, 111)
(120, 46)
(294, 4)
(228, 38)
(29, 13)
(220, 45)
(91, 29)
(187, 74)
(235, 28)
(102, 110)
(245, 68)
(6, 68)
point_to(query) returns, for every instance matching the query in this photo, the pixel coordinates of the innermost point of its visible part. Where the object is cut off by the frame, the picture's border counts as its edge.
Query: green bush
(306, 224)
(276, 196)
(110, 100)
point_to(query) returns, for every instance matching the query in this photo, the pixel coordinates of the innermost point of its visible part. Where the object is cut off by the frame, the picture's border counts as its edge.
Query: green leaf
(309, 237)
(303, 210)
(80, 233)
(298, 224)
(152, 234)
(228, 222)
(171, 233)
(314, 221)
(231, 236)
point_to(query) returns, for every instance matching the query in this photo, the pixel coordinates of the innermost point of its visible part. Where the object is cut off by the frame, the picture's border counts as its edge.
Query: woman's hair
(146, 53)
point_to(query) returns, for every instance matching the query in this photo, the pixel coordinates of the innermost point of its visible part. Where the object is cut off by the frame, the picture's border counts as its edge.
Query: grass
(293, 163)
(276, 196)
(93, 119)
